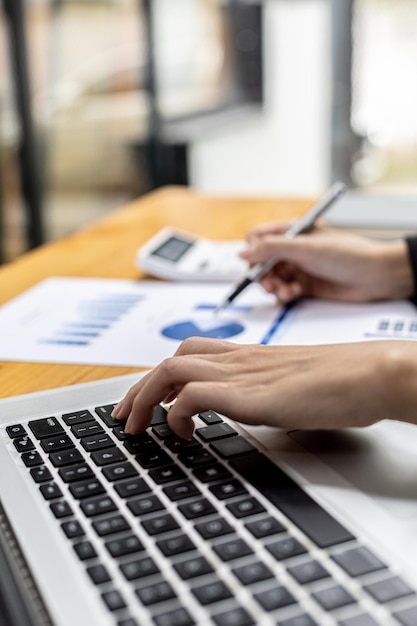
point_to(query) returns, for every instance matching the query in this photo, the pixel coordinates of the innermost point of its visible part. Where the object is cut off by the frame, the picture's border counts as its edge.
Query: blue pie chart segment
(182, 330)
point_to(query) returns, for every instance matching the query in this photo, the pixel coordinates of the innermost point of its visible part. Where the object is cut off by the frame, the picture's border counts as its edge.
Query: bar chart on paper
(122, 322)
(318, 322)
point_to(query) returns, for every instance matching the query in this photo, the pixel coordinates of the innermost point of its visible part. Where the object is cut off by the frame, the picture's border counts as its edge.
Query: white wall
(286, 150)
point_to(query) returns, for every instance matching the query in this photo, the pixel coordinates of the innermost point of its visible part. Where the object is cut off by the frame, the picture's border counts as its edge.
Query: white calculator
(178, 255)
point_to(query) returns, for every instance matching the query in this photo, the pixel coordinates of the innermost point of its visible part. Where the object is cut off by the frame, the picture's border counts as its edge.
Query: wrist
(397, 373)
(394, 276)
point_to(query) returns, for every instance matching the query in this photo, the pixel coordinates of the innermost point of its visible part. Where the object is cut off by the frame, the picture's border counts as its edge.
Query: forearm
(393, 276)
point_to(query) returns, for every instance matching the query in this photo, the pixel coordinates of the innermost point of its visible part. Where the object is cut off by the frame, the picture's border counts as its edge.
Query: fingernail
(117, 409)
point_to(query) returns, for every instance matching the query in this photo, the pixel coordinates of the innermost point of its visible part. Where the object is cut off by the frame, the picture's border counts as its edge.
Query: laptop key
(132, 487)
(265, 527)
(228, 489)
(214, 528)
(154, 594)
(216, 431)
(363, 619)
(40, 474)
(75, 473)
(160, 524)
(252, 573)
(167, 474)
(120, 471)
(275, 598)
(212, 592)
(85, 550)
(358, 561)
(198, 508)
(210, 417)
(32, 459)
(234, 617)
(113, 600)
(244, 508)
(407, 617)
(53, 444)
(61, 509)
(72, 529)
(176, 617)
(86, 429)
(140, 568)
(86, 488)
(23, 444)
(96, 506)
(110, 525)
(389, 589)
(181, 491)
(108, 456)
(308, 572)
(233, 549)
(193, 567)
(175, 545)
(141, 506)
(123, 546)
(104, 413)
(212, 473)
(77, 417)
(45, 427)
(16, 430)
(98, 574)
(97, 442)
(156, 458)
(298, 620)
(333, 598)
(66, 457)
(232, 447)
(285, 548)
(50, 491)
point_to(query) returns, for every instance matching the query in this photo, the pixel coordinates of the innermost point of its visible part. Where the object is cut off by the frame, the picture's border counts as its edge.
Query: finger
(194, 398)
(277, 228)
(203, 345)
(170, 376)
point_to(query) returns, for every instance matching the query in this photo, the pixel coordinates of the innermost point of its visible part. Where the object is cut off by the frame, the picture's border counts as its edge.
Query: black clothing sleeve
(412, 254)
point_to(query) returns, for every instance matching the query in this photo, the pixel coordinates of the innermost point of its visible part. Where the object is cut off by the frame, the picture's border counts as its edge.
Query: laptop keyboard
(208, 531)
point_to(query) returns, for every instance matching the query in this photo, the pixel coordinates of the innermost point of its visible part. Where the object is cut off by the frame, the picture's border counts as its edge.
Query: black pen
(301, 225)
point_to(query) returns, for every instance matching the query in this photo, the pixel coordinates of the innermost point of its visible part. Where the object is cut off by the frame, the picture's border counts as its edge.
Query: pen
(301, 225)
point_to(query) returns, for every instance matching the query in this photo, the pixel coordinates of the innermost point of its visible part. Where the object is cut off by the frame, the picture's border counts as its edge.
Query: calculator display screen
(172, 249)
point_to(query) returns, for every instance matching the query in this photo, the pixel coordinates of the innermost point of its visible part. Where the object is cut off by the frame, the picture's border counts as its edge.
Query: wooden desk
(107, 249)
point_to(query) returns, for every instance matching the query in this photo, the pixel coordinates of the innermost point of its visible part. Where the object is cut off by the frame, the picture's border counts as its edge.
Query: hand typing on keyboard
(307, 387)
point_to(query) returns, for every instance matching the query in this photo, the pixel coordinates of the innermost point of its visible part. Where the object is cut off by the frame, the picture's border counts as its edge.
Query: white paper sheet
(122, 322)
(318, 322)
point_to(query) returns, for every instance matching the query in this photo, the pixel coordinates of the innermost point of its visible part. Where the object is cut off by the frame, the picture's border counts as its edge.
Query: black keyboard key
(120, 471)
(155, 458)
(123, 546)
(16, 430)
(167, 474)
(85, 550)
(228, 489)
(233, 549)
(46, 427)
(358, 561)
(406, 617)
(176, 617)
(104, 413)
(97, 442)
(77, 417)
(108, 456)
(110, 525)
(140, 444)
(234, 617)
(160, 524)
(244, 508)
(163, 431)
(159, 415)
(252, 573)
(233, 447)
(61, 509)
(333, 598)
(193, 567)
(86, 488)
(216, 431)
(55, 444)
(181, 491)
(140, 568)
(196, 458)
(275, 598)
(32, 459)
(66, 457)
(177, 445)
(154, 594)
(298, 620)
(213, 592)
(97, 506)
(74, 473)
(23, 444)
(214, 528)
(175, 545)
(50, 491)
(308, 572)
(113, 600)
(40, 474)
(86, 429)
(212, 473)
(72, 529)
(363, 619)
(131, 487)
(289, 498)
(198, 508)
(142, 506)
(265, 527)
(98, 574)
(285, 548)
(210, 417)
(389, 589)
(129, 621)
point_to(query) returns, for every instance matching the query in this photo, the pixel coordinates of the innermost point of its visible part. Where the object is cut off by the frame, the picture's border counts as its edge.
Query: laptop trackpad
(380, 460)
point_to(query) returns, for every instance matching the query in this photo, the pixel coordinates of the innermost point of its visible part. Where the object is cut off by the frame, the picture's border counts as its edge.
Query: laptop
(240, 526)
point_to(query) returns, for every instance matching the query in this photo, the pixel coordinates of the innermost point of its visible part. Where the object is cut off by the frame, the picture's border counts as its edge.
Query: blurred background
(104, 100)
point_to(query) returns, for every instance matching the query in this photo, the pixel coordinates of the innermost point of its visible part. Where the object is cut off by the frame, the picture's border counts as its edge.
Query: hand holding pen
(301, 225)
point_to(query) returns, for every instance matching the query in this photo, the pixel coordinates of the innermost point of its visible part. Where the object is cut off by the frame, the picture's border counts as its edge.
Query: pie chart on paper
(190, 328)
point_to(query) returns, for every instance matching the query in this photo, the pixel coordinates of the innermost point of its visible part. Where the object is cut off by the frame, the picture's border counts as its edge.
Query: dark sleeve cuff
(412, 255)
